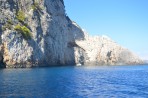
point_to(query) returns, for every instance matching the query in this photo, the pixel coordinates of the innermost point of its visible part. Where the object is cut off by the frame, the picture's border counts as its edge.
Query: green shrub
(25, 24)
(3, 28)
(24, 31)
(20, 16)
(6, 26)
(17, 27)
(36, 7)
(9, 21)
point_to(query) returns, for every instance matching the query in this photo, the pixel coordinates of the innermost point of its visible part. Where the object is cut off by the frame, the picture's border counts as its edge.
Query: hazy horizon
(126, 22)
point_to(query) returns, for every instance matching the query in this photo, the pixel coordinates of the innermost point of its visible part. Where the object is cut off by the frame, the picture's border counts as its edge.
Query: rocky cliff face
(39, 33)
(101, 50)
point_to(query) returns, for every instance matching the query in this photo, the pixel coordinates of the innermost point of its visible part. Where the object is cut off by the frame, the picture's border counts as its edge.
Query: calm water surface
(77, 82)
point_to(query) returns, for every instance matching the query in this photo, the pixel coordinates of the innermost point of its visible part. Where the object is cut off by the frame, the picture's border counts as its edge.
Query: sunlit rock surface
(55, 39)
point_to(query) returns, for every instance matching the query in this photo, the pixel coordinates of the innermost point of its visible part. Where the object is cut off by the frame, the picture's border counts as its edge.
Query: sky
(124, 21)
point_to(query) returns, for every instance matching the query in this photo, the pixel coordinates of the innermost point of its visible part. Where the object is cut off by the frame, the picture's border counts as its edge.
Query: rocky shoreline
(38, 33)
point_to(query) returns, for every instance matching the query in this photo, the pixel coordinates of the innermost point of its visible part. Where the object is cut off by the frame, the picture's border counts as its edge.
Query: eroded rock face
(51, 32)
(101, 50)
(55, 39)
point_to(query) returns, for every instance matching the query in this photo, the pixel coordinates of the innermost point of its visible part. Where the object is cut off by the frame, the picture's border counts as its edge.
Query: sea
(75, 82)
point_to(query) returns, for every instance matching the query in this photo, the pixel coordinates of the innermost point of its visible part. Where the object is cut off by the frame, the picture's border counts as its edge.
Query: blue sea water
(75, 82)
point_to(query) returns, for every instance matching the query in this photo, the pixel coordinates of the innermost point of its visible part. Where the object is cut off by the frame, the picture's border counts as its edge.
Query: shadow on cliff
(37, 57)
(63, 53)
(2, 65)
(46, 55)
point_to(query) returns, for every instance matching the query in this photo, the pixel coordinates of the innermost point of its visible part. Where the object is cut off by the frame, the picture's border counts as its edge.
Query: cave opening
(2, 64)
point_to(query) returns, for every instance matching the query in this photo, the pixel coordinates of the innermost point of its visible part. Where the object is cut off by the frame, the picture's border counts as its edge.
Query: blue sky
(125, 21)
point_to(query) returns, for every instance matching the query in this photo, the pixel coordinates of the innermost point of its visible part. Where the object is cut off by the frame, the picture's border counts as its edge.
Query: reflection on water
(115, 81)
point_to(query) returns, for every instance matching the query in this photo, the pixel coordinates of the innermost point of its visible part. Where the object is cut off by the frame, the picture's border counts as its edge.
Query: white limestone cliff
(101, 50)
(55, 39)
